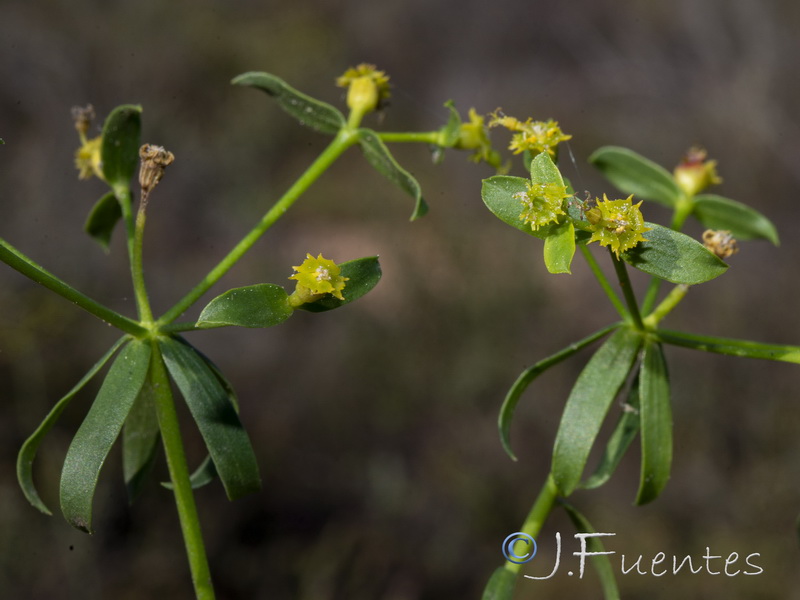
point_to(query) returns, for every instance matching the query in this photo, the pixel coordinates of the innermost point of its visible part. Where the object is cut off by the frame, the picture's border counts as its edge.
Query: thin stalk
(536, 518)
(627, 291)
(340, 143)
(179, 475)
(603, 281)
(137, 270)
(17, 260)
(667, 304)
(424, 137)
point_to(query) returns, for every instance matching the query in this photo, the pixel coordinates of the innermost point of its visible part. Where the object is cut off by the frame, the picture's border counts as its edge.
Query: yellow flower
(542, 203)
(617, 223)
(535, 136)
(367, 88)
(474, 135)
(88, 160)
(695, 173)
(315, 278)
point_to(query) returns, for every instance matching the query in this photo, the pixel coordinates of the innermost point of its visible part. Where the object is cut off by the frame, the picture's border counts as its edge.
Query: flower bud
(367, 88)
(695, 173)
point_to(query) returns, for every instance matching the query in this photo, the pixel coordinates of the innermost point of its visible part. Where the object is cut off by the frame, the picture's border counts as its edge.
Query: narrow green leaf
(499, 196)
(587, 405)
(732, 347)
(656, 423)
(527, 377)
(119, 150)
(363, 274)
(99, 431)
(309, 111)
(634, 174)
(203, 475)
(559, 248)
(140, 437)
(102, 219)
(621, 438)
(27, 453)
(378, 155)
(501, 585)
(216, 417)
(601, 563)
(262, 305)
(745, 223)
(674, 256)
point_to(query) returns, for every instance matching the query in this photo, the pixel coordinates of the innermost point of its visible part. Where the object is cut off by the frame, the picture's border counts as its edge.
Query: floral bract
(320, 276)
(618, 224)
(474, 135)
(695, 173)
(542, 203)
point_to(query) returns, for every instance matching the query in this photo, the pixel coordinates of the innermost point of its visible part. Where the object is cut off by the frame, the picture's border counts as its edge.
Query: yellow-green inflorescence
(367, 88)
(618, 224)
(542, 204)
(315, 278)
(88, 158)
(695, 173)
(474, 135)
(534, 136)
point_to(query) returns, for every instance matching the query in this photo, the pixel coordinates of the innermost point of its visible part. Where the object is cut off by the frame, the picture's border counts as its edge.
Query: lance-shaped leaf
(99, 431)
(102, 219)
(745, 223)
(140, 437)
(732, 347)
(674, 256)
(632, 173)
(527, 377)
(378, 155)
(119, 150)
(596, 550)
(261, 305)
(500, 195)
(656, 423)
(28, 451)
(500, 586)
(587, 405)
(311, 112)
(363, 273)
(621, 438)
(216, 417)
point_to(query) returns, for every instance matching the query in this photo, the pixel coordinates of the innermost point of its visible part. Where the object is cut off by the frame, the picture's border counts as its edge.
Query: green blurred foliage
(391, 483)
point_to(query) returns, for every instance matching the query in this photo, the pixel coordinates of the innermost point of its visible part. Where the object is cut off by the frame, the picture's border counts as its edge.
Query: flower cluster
(542, 204)
(474, 135)
(618, 224)
(88, 158)
(317, 277)
(367, 88)
(534, 136)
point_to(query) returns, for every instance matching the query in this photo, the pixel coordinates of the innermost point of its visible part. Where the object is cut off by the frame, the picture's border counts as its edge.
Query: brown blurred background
(383, 474)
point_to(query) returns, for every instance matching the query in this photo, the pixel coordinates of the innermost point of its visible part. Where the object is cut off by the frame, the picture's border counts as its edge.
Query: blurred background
(383, 474)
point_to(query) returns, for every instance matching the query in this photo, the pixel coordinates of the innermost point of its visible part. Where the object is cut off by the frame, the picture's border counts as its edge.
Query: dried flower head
(720, 242)
(542, 203)
(154, 160)
(83, 117)
(695, 173)
(367, 88)
(618, 224)
(317, 277)
(534, 136)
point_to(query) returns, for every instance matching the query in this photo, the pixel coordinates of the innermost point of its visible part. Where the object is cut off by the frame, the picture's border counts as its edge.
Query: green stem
(539, 512)
(137, 270)
(423, 137)
(627, 291)
(340, 143)
(179, 475)
(604, 283)
(667, 304)
(17, 260)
